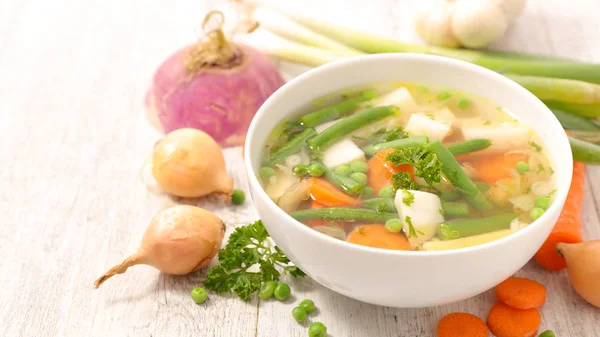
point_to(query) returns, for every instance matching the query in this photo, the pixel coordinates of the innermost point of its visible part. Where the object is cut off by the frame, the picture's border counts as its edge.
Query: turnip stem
(503, 62)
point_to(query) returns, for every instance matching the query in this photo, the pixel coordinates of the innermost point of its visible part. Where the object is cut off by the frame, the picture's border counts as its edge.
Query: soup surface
(407, 166)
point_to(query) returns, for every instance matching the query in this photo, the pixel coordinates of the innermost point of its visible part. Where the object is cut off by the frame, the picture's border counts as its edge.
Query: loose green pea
(343, 170)
(282, 291)
(522, 167)
(267, 290)
(359, 166)
(393, 225)
(387, 192)
(536, 213)
(266, 173)
(316, 170)
(360, 178)
(443, 95)
(300, 170)
(367, 191)
(299, 314)
(463, 103)
(307, 305)
(317, 329)
(199, 295)
(542, 202)
(547, 333)
(238, 197)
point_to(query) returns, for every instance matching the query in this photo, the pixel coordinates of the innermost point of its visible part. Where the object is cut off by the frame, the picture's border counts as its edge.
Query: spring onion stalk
(574, 122)
(273, 21)
(336, 110)
(583, 110)
(343, 214)
(586, 136)
(585, 152)
(507, 63)
(560, 89)
(291, 147)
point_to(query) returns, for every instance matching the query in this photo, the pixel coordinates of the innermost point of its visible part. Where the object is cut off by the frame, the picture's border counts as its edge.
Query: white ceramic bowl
(405, 278)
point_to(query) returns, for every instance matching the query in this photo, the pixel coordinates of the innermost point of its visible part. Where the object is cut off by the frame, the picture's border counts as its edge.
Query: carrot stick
(328, 195)
(521, 293)
(375, 235)
(505, 321)
(492, 168)
(461, 324)
(568, 227)
(381, 170)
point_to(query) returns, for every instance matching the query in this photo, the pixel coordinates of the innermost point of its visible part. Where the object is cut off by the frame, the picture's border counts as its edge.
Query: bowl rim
(348, 62)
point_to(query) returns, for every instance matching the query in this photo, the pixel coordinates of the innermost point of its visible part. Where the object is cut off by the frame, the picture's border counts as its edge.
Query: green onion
(574, 122)
(583, 110)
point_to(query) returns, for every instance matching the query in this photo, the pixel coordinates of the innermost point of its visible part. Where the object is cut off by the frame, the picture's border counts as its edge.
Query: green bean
(585, 152)
(291, 147)
(336, 110)
(455, 209)
(460, 228)
(343, 214)
(574, 122)
(380, 204)
(346, 184)
(583, 110)
(395, 144)
(450, 195)
(346, 125)
(458, 177)
(483, 187)
(468, 146)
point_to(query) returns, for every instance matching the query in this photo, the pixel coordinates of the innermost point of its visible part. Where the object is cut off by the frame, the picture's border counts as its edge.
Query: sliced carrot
(462, 324)
(375, 235)
(491, 168)
(521, 293)
(505, 321)
(328, 195)
(568, 227)
(381, 170)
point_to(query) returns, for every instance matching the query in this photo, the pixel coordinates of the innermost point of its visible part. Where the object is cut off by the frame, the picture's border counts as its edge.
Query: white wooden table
(73, 138)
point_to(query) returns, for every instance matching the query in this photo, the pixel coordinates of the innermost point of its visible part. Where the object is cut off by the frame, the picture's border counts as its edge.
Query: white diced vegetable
(420, 124)
(505, 136)
(283, 179)
(401, 98)
(420, 209)
(342, 151)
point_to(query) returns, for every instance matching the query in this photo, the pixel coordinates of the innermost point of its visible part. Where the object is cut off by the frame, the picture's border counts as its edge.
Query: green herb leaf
(427, 165)
(412, 233)
(408, 198)
(536, 146)
(402, 181)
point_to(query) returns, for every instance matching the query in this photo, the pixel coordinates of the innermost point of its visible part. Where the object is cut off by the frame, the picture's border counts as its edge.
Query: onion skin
(583, 267)
(178, 241)
(220, 101)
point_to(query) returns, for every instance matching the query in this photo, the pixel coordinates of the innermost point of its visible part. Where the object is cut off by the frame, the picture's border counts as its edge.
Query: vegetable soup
(408, 167)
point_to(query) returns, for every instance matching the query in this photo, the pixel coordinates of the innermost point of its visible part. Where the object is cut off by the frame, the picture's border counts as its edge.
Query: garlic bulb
(467, 23)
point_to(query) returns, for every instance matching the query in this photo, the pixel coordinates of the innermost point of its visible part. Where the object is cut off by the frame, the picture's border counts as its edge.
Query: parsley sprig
(426, 163)
(248, 246)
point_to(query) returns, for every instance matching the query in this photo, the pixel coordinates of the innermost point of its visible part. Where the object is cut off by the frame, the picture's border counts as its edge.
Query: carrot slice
(375, 235)
(505, 321)
(521, 293)
(461, 324)
(381, 170)
(491, 168)
(568, 227)
(328, 195)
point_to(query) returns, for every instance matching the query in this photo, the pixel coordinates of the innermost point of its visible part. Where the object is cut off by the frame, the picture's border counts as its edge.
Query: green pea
(387, 192)
(443, 95)
(307, 305)
(547, 333)
(317, 329)
(199, 295)
(360, 178)
(266, 173)
(359, 166)
(316, 170)
(393, 225)
(267, 290)
(238, 197)
(542, 202)
(463, 103)
(536, 213)
(522, 167)
(299, 314)
(367, 191)
(282, 291)
(300, 170)
(343, 170)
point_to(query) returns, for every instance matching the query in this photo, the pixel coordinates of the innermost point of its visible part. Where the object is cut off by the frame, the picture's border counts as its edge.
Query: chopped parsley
(408, 198)
(552, 193)
(528, 190)
(412, 233)
(551, 170)
(248, 246)
(427, 165)
(536, 146)
(361, 230)
(402, 181)
(540, 168)
(487, 122)
(430, 115)
(441, 211)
